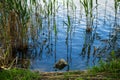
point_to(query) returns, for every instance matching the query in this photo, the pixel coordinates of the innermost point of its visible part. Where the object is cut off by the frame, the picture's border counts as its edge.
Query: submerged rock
(60, 64)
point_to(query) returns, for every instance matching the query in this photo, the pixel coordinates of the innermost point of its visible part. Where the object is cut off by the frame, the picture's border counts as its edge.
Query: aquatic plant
(14, 18)
(88, 8)
(116, 6)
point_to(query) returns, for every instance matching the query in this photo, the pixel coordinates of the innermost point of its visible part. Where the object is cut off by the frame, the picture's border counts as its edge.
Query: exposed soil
(74, 75)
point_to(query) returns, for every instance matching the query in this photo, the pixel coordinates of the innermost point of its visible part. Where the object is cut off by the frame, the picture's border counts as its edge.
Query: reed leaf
(55, 28)
(68, 23)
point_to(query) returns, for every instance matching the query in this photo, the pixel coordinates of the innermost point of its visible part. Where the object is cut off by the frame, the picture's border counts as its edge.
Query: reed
(88, 8)
(55, 27)
(14, 19)
(116, 6)
(68, 23)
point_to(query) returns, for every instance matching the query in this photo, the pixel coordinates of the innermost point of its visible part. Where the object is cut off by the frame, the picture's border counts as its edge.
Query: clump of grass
(18, 74)
(110, 69)
(79, 79)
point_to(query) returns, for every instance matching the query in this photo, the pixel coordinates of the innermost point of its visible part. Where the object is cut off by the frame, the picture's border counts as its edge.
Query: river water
(81, 49)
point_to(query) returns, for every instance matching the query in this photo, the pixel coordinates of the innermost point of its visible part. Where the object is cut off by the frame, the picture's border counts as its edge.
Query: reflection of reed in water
(87, 46)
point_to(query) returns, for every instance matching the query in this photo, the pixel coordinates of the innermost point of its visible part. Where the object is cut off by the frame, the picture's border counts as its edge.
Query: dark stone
(60, 64)
(88, 29)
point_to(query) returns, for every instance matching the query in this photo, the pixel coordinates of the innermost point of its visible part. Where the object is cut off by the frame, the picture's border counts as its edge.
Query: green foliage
(66, 75)
(112, 54)
(88, 8)
(55, 27)
(68, 23)
(79, 79)
(13, 19)
(85, 4)
(18, 74)
(116, 3)
(112, 67)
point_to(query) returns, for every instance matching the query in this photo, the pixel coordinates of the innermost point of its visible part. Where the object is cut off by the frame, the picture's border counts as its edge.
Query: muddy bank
(72, 75)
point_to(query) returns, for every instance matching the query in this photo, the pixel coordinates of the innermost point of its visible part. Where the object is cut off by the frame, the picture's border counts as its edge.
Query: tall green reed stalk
(14, 18)
(116, 6)
(68, 23)
(88, 8)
